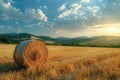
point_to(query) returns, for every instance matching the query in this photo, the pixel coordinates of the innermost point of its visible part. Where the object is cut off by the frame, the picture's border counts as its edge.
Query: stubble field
(64, 63)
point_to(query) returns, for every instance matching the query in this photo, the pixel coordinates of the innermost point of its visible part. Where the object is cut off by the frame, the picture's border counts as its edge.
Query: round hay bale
(30, 53)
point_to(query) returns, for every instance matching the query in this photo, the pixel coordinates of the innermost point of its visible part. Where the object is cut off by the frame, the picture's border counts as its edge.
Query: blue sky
(65, 18)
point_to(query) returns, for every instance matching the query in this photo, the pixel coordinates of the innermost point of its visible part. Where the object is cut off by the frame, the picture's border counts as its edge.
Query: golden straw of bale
(30, 53)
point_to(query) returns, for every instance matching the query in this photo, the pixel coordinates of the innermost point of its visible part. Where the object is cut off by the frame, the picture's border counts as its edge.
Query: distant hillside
(99, 41)
(104, 41)
(16, 38)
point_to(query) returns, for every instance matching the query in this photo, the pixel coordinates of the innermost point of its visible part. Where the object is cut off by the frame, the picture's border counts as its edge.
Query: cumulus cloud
(74, 10)
(38, 24)
(93, 9)
(32, 14)
(62, 7)
(7, 5)
(87, 1)
(82, 13)
(71, 17)
(42, 16)
(64, 14)
(45, 7)
(9, 12)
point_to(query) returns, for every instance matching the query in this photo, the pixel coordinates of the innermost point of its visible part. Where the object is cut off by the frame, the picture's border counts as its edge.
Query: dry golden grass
(64, 63)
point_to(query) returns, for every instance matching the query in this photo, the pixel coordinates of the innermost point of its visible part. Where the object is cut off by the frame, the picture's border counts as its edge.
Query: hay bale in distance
(30, 53)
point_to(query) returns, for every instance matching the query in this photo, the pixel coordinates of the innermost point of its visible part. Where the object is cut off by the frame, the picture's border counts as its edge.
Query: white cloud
(32, 14)
(9, 12)
(75, 5)
(93, 9)
(28, 15)
(62, 7)
(38, 24)
(45, 7)
(42, 16)
(7, 5)
(81, 13)
(74, 10)
(64, 14)
(87, 1)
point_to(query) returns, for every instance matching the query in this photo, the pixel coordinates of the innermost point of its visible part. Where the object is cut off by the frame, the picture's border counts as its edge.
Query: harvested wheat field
(64, 63)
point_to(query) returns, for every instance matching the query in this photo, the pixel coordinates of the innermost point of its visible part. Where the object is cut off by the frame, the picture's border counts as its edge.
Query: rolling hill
(98, 41)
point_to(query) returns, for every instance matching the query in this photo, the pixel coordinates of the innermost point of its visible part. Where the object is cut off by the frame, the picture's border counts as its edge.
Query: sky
(60, 18)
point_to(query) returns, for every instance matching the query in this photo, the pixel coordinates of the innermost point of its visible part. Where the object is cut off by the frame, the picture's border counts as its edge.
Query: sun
(111, 30)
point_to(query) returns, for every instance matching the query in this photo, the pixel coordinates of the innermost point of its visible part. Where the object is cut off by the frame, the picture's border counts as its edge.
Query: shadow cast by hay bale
(9, 67)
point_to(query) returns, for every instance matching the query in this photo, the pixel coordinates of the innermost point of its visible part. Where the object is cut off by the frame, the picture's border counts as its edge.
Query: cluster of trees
(10, 40)
(84, 44)
(64, 43)
(5, 40)
(105, 41)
